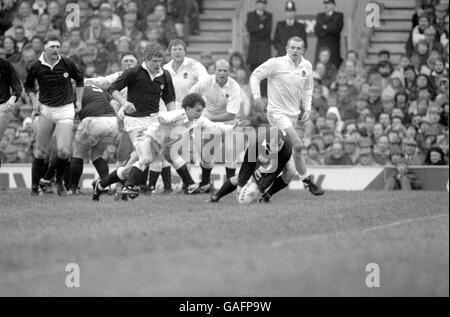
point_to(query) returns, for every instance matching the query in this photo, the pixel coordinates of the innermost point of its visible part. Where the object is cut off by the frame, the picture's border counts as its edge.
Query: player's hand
(37, 107)
(306, 116)
(241, 123)
(128, 107)
(78, 106)
(259, 104)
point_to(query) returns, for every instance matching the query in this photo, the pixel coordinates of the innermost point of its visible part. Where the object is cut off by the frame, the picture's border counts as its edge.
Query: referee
(53, 73)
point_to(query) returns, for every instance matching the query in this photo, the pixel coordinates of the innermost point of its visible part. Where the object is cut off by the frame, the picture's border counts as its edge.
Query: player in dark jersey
(53, 73)
(97, 129)
(273, 152)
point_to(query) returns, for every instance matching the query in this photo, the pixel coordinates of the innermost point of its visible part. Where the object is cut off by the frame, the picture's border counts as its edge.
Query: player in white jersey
(290, 85)
(223, 103)
(158, 140)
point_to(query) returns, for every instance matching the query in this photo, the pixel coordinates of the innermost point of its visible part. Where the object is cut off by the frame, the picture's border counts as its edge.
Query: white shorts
(140, 123)
(93, 130)
(64, 114)
(281, 121)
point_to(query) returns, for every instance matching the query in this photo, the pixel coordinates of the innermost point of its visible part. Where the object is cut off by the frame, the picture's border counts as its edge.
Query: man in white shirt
(290, 84)
(223, 103)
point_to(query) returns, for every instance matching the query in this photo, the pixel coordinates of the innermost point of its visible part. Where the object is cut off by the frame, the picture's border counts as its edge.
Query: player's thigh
(99, 149)
(80, 150)
(294, 137)
(44, 132)
(289, 171)
(63, 133)
(146, 149)
(4, 118)
(125, 147)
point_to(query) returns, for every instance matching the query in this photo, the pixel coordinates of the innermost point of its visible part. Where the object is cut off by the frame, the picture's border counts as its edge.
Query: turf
(177, 245)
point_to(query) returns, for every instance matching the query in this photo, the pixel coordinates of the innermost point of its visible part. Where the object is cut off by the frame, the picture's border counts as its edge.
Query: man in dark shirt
(264, 160)
(147, 84)
(53, 74)
(10, 91)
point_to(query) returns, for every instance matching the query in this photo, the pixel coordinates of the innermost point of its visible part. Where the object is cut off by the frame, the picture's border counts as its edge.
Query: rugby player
(158, 139)
(53, 73)
(264, 160)
(290, 84)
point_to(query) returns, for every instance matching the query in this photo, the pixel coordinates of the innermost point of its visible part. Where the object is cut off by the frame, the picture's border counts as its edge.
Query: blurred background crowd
(368, 116)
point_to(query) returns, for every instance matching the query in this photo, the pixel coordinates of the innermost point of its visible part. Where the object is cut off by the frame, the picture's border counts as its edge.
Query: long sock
(102, 167)
(66, 176)
(60, 169)
(278, 185)
(145, 176)
(230, 172)
(110, 179)
(153, 178)
(134, 177)
(226, 188)
(185, 175)
(38, 169)
(206, 176)
(166, 175)
(76, 169)
(51, 170)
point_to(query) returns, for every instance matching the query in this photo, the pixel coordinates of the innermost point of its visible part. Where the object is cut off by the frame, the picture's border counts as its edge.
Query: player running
(290, 84)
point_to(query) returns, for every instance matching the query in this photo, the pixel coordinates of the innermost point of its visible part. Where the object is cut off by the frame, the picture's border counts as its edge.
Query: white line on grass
(341, 233)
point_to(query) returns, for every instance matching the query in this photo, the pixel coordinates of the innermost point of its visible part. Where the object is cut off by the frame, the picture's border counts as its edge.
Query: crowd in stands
(367, 116)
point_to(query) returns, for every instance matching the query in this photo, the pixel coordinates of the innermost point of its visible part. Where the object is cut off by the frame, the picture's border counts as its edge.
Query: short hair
(296, 39)
(384, 52)
(153, 49)
(52, 38)
(191, 100)
(128, 53)
(409, 67)
(354, 52)
(176, 42)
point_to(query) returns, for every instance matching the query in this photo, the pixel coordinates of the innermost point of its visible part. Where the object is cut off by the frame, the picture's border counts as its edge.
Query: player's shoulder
(307, 63)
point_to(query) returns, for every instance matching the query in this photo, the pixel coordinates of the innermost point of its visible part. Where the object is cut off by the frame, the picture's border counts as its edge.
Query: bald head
(222, 72)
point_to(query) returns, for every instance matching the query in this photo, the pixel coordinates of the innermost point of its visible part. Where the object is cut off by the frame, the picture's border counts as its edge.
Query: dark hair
(384, 52)
(52, 38)
(354, 52)
(128, 53)
(440, 151)
(409, 67)
(175, 42)
(153, 49)
(238, 55)
(401, 93)
(191, 100)
(36, 37)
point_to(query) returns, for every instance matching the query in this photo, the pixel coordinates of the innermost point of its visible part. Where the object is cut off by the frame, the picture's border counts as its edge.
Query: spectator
(28, 20)
(95, 29)
(383, 56)
(130, 29)
(37, 44)
(440, 12)
(330, 70)
(432, 42)
(435, 156)
(378, 131)
(417, 34)
(381, 150)
(259, 27)
(412, 154)
(77, 44)
(374, 102)
(351, 149)
(319, 102)
(312, 155)
(444, 35)
(338, 156)
(237, 62)
(401, 178)
(366, 158)
(11, 50)
(7, 10)
(288, 28)
(22, 65)
(109, 19)
(329, 25)
(57, 19)
(19, 36)
(165, 22)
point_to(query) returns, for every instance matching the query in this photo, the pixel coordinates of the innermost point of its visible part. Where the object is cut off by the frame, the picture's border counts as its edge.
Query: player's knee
(64, 153)
(145, 161)
(297, 148)
(288, 174)
(40, 153)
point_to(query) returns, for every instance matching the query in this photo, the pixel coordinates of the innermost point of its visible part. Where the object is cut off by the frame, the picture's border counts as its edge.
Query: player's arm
(227, 116)
(120, 83)
(14, 84)
(102, 82)
(263, 71)
(168, 93)
(170, 117)
(31, 90)
(307, 93)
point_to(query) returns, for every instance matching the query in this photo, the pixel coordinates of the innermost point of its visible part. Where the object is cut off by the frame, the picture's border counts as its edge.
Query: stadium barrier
(353, 178)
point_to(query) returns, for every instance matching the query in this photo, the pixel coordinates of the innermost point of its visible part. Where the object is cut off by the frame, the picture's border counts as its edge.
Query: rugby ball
(249, 194)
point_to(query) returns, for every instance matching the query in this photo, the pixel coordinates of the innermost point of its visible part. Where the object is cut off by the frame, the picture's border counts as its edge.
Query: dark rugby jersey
(9, 82)
(55, 87)
(250, 164)
(95, 103)
(143, 92)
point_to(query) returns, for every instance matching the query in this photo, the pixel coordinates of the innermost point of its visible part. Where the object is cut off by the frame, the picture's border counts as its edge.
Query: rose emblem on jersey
(185, 75)
(162, 87)
(66, 75)
(303, 73)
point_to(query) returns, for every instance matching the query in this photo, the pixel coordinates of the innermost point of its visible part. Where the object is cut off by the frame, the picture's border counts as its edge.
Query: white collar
(43, 62)
(152, 77)
(292, 62)
(185, 63)
(227, 84)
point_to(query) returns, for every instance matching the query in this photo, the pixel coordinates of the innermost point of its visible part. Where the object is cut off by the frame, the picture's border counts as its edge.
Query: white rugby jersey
(189, 73)
(219, 100)
(172, 125)
(288, 85)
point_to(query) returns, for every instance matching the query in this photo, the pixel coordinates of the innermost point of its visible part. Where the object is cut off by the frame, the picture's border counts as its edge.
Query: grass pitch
(178, 245)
